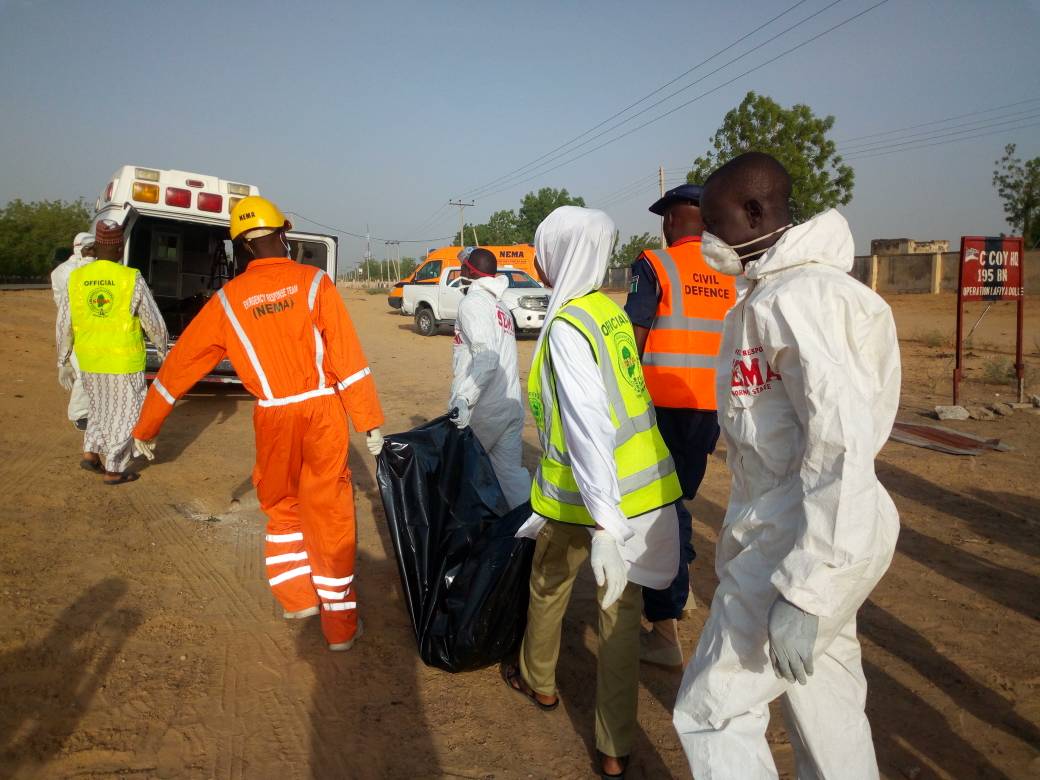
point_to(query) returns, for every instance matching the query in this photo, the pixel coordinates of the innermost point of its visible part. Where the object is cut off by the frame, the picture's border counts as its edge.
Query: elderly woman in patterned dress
(100, 317)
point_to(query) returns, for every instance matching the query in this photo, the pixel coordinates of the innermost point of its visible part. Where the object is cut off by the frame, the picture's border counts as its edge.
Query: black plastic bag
(465, 577)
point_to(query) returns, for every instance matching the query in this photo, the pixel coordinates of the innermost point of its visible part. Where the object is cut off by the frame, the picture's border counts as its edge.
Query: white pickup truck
(437, 305)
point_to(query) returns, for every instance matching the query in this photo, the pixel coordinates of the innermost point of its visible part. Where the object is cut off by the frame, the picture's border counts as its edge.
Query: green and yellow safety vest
(107, 334)
(645, 470)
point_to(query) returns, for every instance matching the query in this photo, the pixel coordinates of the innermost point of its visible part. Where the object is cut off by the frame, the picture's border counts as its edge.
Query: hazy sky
(378, 113)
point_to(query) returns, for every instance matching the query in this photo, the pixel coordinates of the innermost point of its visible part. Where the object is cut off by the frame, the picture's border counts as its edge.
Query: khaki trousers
(560, 551)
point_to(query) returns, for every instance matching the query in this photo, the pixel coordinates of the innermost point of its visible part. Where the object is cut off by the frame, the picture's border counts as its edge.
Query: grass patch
(934, 339)
(998, 371)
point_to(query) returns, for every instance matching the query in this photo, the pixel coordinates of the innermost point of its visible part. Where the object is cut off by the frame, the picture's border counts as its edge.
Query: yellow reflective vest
(107, 334)
(645, 470)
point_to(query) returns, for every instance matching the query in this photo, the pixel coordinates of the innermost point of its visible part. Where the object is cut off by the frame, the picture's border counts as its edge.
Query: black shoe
(81, 424)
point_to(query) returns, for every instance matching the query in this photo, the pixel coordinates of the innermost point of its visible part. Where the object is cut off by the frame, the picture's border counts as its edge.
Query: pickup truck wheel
(425, 322)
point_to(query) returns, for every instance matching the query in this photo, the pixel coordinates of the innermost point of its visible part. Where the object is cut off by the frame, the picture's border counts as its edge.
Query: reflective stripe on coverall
(286, 331)
(808, 388)
(486, 374)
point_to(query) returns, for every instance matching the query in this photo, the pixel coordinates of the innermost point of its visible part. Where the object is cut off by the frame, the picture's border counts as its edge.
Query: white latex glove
(608, 567)
(144, 449)
(792, 635)
(465, 412)
(67, 376)
(374, 440)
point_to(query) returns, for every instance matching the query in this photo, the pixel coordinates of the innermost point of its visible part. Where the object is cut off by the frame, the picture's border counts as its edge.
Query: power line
(431, 220)
(939, 121)
(692, 100)
(636, 103)
(642, 181)
(668, 97)
(362, 236)
(938, 132)
(937, 135)
(913, 145)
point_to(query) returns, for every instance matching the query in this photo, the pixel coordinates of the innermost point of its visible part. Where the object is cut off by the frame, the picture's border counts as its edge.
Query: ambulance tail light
(241, 190)
(195, 183)
(207, 201)
(146, 174)
(175, 196)
(145, 193)
(231, 203)
(108, 190)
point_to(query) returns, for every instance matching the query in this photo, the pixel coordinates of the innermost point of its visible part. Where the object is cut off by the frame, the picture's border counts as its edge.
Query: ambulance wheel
(425, 322)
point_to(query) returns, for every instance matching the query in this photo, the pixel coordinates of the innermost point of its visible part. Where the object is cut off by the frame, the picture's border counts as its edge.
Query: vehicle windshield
(520, 279)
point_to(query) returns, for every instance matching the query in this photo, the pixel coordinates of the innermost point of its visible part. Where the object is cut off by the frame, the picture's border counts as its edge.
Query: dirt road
(140, 640)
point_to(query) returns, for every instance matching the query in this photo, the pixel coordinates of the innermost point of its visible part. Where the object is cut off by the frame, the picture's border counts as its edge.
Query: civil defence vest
(679, 356)
(645, 470)
(107, 334)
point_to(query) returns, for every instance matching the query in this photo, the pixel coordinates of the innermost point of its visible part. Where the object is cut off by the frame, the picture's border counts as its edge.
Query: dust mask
(723, 257)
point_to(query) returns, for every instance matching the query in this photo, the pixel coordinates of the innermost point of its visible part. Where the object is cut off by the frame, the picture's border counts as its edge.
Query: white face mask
(723, 257)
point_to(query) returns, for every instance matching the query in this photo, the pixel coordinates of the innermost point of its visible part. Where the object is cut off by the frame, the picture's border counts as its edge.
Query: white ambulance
(176, 231)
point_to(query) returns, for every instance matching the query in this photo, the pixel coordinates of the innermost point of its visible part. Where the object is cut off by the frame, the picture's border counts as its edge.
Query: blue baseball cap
(684, 193)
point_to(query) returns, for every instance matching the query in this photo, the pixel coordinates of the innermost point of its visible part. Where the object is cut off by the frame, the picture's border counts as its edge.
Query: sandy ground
(140, 640)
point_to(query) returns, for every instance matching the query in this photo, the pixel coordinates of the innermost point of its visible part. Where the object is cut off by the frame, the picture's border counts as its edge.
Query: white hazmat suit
(487, 380)
(808, 388)
(79, 403)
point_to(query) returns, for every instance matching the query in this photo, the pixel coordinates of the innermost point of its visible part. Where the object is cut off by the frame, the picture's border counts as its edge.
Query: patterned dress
(115, 399)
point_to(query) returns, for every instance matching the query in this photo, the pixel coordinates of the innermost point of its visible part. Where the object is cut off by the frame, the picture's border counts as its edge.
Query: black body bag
(464, 575)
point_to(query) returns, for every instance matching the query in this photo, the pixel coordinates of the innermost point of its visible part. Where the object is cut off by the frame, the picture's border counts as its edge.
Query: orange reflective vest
(679, 358)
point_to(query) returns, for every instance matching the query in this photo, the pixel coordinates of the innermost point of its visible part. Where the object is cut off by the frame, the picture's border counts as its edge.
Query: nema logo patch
(247, 215)
(100, 302)
(628, 360)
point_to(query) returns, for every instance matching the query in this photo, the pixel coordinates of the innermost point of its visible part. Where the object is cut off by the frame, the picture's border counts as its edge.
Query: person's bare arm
(641, 336)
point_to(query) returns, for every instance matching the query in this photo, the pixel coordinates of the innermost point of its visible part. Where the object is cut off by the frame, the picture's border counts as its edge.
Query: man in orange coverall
(287, 333)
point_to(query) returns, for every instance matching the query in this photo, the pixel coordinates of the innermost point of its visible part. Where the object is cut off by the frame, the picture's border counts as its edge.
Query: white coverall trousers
(79, 403)
(722, 710)
(504, 447)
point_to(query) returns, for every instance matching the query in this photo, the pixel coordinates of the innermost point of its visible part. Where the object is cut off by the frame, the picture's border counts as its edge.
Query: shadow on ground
(46, 686)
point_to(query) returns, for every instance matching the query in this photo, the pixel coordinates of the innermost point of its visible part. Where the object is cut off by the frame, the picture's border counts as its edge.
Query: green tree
(536, 206)
(626, 254)
(32, 233)
(517, 227)
(1018, 184)
(794, 136)
(500, 229)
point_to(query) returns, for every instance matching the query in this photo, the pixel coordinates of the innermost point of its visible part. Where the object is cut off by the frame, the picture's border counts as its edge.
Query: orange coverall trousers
(303, 484)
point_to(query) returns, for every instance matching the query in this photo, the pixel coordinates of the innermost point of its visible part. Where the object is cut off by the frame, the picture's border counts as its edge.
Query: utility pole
(660, 182)
(462, 222)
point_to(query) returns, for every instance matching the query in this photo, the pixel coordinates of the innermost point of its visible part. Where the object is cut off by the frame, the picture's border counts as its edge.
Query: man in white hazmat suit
(605, 486)
(808, 387)
(68, 375)
(486, 384)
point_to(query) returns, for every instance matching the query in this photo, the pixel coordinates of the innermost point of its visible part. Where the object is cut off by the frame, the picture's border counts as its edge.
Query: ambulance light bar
(207, 201)
(147, 174)
(231, 203)
(237, 189)
(145, 193)
(175, 196)
(195, 183)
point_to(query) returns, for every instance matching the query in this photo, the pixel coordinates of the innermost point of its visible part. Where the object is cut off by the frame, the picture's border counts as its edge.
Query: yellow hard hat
(256, 212)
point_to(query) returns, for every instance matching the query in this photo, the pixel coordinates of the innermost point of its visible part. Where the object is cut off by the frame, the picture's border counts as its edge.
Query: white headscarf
(573, 249)
(81, 242)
